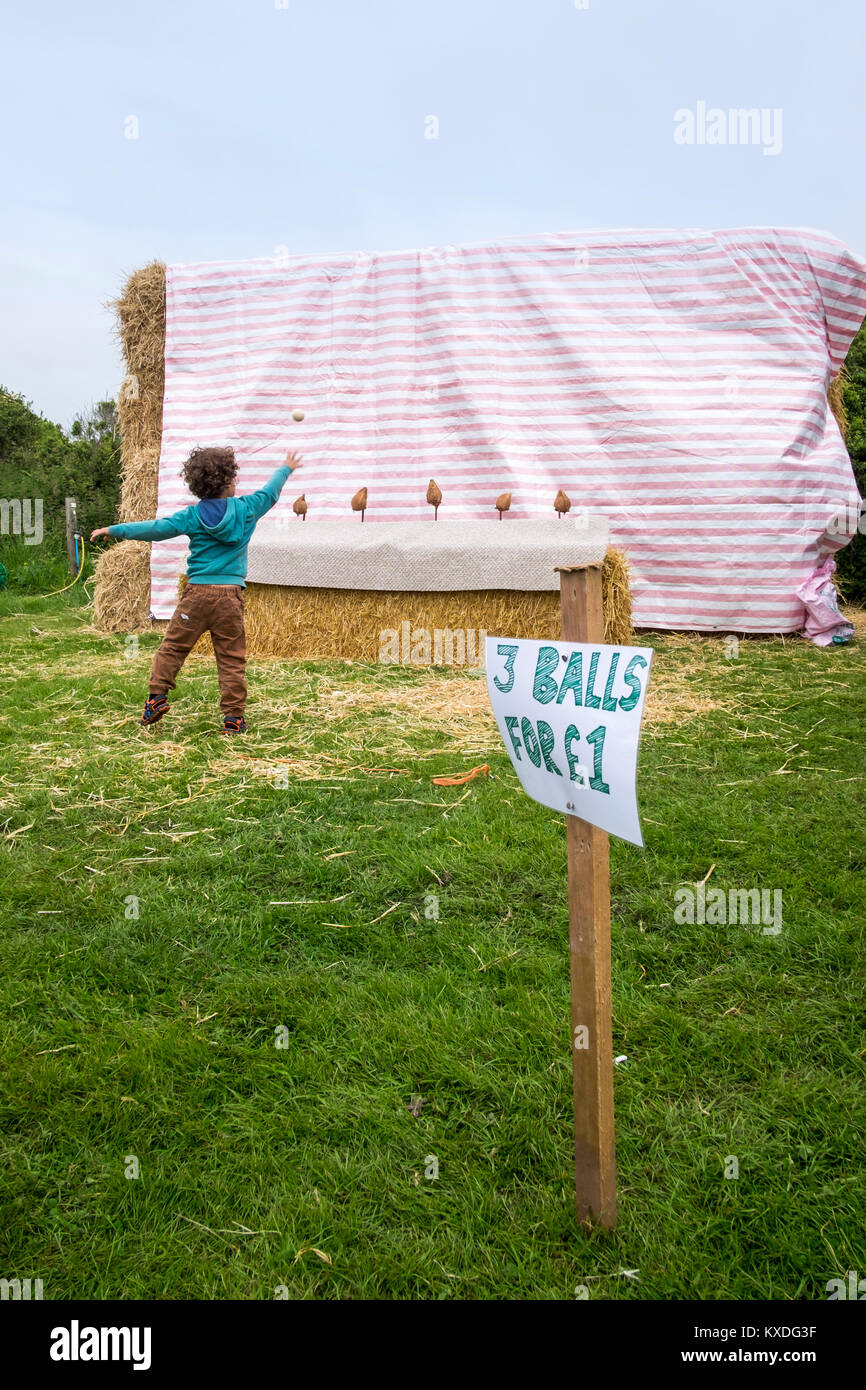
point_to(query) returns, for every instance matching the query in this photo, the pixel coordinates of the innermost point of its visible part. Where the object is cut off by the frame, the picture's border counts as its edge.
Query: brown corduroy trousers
(219, 610)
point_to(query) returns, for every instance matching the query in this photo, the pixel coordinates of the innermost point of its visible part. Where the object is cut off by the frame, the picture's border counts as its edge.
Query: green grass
(154, 1035)
(39, 569)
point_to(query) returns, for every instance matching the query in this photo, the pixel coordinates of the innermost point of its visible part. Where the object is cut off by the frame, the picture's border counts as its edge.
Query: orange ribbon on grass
(458, 781)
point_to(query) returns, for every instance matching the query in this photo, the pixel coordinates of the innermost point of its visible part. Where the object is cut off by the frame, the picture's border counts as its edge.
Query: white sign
(569, 714)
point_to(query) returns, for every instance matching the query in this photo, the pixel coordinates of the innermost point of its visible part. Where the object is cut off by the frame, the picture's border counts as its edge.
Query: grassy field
(176, 904)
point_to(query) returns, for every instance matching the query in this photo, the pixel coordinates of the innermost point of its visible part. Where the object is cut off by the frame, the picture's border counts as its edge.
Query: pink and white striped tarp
(674, 380)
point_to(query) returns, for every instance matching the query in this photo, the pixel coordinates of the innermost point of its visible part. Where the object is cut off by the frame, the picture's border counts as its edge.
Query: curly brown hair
(208, 472)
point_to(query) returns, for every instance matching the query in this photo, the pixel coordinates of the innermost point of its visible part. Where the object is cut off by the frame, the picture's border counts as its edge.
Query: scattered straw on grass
(455, 708)
(319, 769)
(857, 616)
(671, 699)
(444, 701)
(449, 703)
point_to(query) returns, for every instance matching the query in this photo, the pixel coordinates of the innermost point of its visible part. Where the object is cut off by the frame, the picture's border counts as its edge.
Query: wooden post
(589, 940)
(71, 528)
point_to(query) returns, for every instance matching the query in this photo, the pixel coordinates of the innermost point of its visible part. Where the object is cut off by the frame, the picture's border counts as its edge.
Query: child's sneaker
(234, 724)
(155, 706)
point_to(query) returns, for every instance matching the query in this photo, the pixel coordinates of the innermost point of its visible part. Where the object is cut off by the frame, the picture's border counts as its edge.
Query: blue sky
(261, 127)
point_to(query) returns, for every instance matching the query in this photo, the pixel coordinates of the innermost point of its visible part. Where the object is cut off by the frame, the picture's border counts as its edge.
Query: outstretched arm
(268, 496)
(163, 529)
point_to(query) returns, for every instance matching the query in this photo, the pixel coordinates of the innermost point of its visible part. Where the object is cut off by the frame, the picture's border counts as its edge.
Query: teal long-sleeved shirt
(219, 531)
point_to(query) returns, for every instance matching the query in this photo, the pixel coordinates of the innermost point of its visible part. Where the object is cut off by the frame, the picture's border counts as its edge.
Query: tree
(38, 459)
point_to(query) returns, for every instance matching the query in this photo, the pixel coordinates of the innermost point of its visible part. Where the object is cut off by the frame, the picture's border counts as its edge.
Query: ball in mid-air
(297, 415)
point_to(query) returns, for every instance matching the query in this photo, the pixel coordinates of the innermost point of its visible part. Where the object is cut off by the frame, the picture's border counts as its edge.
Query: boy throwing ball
(219, 527)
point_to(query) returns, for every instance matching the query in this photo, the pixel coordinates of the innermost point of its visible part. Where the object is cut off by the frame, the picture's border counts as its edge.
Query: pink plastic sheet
(674, 381)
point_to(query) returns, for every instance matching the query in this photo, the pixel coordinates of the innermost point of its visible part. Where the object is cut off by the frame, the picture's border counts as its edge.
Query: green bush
(851, 561)
(40, 460)
(37, 569)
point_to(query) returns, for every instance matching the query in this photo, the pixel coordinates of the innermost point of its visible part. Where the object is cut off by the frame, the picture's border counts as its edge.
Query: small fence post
(71, 530)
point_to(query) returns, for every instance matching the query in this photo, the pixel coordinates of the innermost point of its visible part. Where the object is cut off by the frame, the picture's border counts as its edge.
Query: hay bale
(141, 329)
(616, 598)
(121, 598)
(352, 624)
